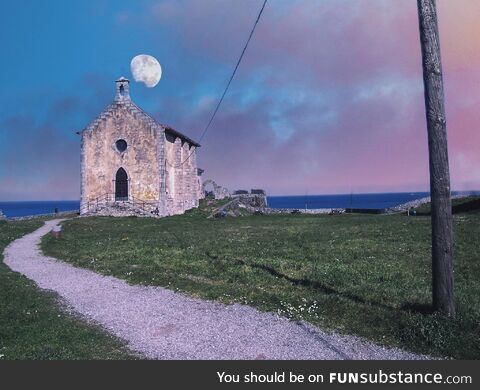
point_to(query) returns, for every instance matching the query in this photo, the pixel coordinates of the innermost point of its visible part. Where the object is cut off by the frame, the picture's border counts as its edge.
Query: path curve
(162, 324)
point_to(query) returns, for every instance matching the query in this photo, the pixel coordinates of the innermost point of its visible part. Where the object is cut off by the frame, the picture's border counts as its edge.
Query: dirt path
(166, 325)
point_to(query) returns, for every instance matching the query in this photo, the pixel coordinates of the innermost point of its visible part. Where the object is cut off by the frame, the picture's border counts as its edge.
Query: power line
(229, 82)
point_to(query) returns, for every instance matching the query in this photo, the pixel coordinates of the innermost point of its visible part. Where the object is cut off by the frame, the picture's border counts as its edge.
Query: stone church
(133, 165)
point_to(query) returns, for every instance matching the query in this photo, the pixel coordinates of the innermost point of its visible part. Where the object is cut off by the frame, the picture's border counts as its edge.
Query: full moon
(146, 69)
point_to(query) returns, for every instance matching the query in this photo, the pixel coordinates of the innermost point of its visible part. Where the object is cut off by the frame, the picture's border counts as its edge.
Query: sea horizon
(366, 200)
(466, 192)
(371, 200)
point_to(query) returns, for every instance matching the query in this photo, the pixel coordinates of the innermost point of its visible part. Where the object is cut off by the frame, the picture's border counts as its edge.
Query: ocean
(357, 201)
(361, 201)
(26, 208)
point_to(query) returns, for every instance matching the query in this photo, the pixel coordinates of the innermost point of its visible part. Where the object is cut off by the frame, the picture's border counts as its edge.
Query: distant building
(240, 192)
(131, 164)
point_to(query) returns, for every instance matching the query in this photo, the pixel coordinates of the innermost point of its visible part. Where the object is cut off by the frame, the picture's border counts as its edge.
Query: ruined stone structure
(131, 164)
(219, 192)
(252, 200)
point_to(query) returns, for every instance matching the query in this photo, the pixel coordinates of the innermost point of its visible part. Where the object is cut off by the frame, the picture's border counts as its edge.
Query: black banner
(241, 374)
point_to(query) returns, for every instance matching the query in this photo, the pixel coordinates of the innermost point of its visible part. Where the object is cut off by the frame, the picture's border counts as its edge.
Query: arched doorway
(121, 185)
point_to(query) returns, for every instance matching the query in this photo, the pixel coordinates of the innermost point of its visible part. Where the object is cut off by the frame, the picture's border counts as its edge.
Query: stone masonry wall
(182, 179)
(101, 159)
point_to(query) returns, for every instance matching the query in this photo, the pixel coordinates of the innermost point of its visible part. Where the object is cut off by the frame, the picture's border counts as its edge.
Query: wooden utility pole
(442, 236)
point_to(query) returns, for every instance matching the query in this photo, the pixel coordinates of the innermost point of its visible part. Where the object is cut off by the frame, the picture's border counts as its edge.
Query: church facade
(131, 164)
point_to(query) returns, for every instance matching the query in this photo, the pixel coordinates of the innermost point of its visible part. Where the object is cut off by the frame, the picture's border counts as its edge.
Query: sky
(328, 98)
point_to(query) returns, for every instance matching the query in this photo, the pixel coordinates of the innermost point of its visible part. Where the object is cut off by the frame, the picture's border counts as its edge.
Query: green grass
(367, 275)
(32, 324)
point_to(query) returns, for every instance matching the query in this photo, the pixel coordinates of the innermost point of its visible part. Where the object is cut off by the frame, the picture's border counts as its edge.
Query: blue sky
(328, 98)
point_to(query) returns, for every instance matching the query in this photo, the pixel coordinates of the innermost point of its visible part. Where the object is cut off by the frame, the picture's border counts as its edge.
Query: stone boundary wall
(255, 202)
(407, 205)
(269, 210)
(59, 214)
(414, 203)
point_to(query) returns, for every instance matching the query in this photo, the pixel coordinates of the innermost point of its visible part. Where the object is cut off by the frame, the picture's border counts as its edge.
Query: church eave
(183, 137)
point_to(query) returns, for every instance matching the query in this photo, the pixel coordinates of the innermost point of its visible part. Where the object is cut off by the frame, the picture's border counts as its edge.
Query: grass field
(367, 275)
(32, 326)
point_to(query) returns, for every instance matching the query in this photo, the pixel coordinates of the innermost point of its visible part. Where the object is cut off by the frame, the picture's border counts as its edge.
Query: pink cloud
(340, 50)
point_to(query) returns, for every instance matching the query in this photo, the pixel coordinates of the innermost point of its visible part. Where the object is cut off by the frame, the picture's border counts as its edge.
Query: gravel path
(162, 324)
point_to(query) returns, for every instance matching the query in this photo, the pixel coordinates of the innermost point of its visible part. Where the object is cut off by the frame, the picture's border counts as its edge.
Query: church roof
(136, 111)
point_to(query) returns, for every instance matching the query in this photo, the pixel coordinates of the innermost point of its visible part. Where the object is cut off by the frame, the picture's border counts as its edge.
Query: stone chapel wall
(102, 159)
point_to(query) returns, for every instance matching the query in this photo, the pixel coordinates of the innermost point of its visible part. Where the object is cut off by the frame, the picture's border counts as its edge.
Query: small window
(121, 145)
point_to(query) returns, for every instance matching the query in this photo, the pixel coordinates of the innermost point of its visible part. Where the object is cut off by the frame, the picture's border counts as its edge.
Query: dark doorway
(121, 185)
